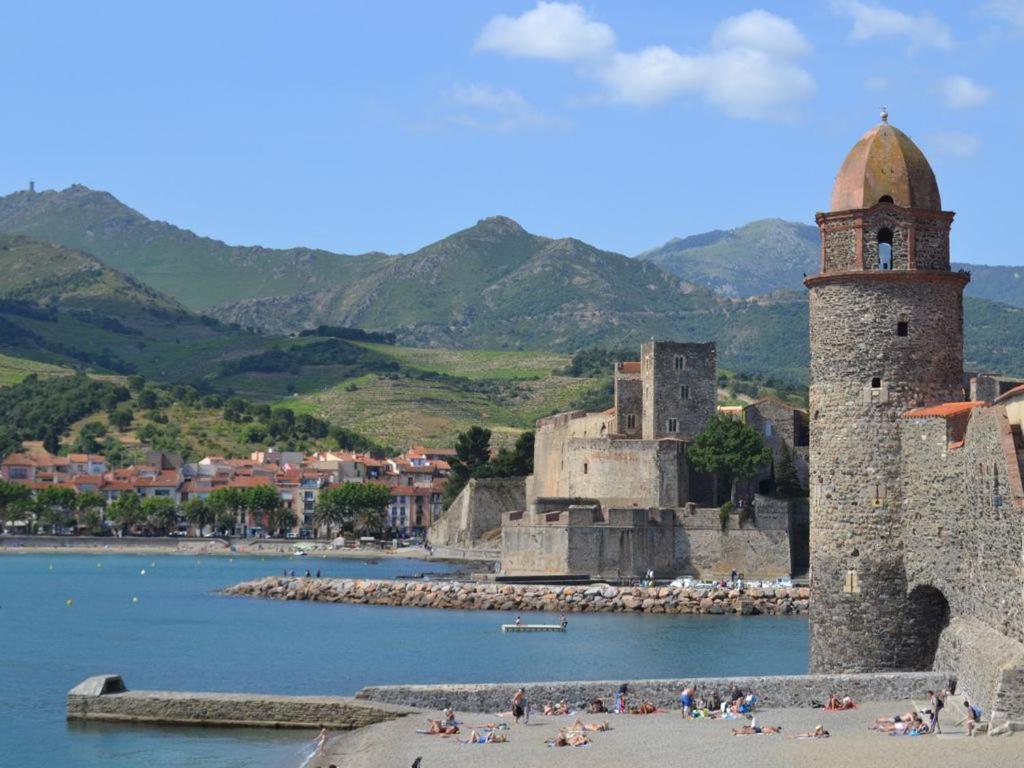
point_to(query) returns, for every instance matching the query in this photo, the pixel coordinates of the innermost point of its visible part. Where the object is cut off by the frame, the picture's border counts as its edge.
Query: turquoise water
(179, 635)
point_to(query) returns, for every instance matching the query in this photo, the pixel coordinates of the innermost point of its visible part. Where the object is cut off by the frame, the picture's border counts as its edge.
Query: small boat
(533, 627)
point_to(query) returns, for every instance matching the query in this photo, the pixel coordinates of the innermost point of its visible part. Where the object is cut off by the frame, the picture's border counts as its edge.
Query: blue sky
(386, 125)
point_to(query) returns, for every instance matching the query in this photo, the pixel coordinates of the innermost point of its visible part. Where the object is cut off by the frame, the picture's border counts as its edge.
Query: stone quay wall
(529, 597)
(777, 691)
(89, 701)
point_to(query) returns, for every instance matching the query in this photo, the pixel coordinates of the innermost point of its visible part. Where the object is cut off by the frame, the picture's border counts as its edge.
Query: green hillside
(751, 260)
(198, 271)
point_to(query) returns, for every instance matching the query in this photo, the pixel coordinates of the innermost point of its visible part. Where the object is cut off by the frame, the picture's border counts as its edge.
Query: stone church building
(917, 506)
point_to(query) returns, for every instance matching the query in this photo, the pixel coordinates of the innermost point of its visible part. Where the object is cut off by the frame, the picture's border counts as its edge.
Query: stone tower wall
(863, 377)
(920, 239)
(629, 401)
(662, 388)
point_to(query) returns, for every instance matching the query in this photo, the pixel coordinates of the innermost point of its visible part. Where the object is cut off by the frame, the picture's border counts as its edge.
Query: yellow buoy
(68, 602)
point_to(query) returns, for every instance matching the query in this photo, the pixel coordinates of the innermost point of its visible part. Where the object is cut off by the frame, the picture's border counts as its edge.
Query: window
(885, 199)
(902, 328)
(680, 362)
(769, 429)
(885, 248)
(631, 421)
(851, 584)
(684, 391)
(673, 425)
(586, 467)
(876, 383)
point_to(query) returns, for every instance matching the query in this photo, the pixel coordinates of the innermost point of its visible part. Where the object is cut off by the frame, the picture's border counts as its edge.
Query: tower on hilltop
(886, 330)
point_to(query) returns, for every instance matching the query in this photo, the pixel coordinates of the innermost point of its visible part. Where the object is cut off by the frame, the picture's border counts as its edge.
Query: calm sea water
(180, 635)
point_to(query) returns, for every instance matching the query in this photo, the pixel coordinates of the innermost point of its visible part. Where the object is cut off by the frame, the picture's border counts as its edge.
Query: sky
(358, 126)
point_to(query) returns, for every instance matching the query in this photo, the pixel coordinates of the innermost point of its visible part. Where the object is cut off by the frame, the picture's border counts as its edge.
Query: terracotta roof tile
(631, 366)
(944, 410)
(1018, 390)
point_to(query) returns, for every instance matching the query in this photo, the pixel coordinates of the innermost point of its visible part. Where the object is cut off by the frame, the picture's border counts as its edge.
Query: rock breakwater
(529, 597)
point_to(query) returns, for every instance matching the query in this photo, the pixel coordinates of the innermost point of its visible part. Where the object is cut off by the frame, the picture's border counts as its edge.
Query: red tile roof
(632, 366)
(1018, 390)
(944, 410)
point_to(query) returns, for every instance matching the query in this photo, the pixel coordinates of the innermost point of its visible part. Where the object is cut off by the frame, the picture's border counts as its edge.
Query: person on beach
(620, 698)
(973, 717)
(488, 737)
(753, 729)
(321, 741)
(686, 702)
(596, 707)
(936, 702)
(448, 715)
(519, 705)
(579, 725)
(819, 732)
(569, 739)
(437, 728)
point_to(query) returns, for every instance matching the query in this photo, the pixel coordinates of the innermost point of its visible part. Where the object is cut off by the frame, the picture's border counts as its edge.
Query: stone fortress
(917, 507)
(612, 494)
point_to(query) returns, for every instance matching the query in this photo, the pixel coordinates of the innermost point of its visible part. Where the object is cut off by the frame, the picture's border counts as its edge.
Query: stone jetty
(530, 597)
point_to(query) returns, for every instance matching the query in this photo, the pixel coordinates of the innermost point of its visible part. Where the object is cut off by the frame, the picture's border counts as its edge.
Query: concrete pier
(106, 698)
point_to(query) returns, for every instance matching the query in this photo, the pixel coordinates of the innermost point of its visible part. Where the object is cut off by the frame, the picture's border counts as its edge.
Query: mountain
(494, 285)
(772, 255)
(751, 260)
(198, 271)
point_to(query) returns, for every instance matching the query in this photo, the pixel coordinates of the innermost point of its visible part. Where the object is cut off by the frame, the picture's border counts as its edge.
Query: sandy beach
(663, 739)
(193, 547)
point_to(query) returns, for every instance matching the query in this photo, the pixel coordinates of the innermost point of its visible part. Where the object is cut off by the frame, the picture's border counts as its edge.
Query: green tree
(126, 511)
(160, 513)
(731, 449)
(89, 438)
(787, 481)
(282, 519)
(15, 501)
(147, 398)
(121, 418)
(262, 501)
(198, 514)
(90, 506)
(517, 462)
(226, 504)
(92, 521)
(334, 507)
(371, 501)
(55, 505)
(472, 459)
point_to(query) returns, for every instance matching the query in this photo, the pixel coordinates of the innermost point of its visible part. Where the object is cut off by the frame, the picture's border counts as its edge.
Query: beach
(656, 740)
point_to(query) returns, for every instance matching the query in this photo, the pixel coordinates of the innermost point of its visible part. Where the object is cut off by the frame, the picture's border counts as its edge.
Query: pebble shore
(532, 597)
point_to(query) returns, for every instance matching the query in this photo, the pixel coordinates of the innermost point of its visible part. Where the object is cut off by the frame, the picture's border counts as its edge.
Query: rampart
(105, 698)
(776, 691)
(477, 510)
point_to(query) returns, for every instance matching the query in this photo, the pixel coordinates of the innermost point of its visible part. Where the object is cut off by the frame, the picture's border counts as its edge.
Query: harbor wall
(529, 597)
(104, 698)
(774, 691)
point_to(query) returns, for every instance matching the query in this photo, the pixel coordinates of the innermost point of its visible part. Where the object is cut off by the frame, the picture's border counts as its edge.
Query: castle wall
(477, 510)
(759, 549)
(858, 577)
(963, 536)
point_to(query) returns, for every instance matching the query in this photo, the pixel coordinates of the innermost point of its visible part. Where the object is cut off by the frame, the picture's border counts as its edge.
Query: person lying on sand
(436, 727)
(754, 729)
(912, 726)
(887, 723)
(646, 708)
(836, 704)
(561, 708)
(819, 732)
(596, 707)
(569, 739)
(579, 725)
(487, 737)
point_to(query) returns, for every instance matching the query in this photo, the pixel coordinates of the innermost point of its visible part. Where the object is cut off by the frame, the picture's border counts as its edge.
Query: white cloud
(761, 31)
(953, 143)
(749, 69)
(960, 92)
(1010, 11)
(876, 84)
(872, 20)
(560, 31)
(485, 107)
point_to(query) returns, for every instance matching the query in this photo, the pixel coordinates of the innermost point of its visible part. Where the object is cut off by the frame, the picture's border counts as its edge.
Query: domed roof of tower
(885, 163)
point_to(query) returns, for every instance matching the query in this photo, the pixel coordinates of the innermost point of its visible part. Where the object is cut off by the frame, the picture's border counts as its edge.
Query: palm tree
(281, 519)
(198, 514)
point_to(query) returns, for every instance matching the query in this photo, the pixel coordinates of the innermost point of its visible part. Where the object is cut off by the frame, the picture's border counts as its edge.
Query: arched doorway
(927, 617)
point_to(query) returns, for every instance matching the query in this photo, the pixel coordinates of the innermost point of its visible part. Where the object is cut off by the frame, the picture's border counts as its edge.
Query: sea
(160, 623)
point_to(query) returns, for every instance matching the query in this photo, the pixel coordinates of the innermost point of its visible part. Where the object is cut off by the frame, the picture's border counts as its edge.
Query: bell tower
(886, 333)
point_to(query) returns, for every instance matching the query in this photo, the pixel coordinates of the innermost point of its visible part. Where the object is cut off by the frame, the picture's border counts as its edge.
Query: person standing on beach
(937, 703)
(321, 741)
(519, 705)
